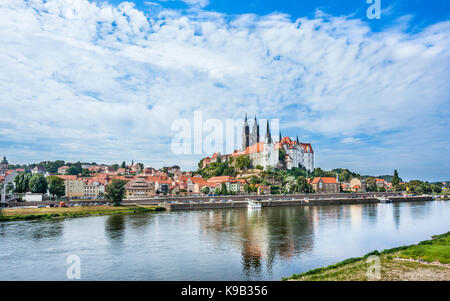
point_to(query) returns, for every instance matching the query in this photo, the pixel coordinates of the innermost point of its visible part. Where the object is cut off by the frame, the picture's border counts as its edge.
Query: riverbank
(9, 214)
(228, 204)
(428, 260)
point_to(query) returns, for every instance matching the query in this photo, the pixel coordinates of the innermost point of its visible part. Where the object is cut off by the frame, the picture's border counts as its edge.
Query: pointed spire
(246, 117)
(297, 140)
(280, 136)
(268, 136)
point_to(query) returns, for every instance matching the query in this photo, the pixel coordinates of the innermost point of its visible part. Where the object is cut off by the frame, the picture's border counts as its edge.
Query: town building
(297, 154)
(63, 170)
(325, 185)
(139, 188)
(38, 170)
(74, 188)
(358, 185)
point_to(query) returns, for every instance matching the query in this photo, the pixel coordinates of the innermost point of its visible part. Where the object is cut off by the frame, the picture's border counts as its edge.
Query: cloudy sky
(104, 81)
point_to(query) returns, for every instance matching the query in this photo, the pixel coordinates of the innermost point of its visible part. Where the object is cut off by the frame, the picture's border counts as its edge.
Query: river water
(223, 244)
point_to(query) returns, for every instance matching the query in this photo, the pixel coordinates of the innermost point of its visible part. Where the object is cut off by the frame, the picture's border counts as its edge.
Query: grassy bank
(39, 213)
(427, 260)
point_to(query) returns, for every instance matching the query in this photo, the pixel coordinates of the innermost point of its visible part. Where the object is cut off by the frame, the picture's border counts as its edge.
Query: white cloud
(81, 80)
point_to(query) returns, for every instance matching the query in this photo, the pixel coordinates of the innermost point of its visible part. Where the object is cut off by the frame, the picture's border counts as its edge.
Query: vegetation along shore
(425, 261)
(40, 213)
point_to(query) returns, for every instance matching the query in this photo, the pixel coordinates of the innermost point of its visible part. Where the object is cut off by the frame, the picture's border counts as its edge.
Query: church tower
(3, 166)
(245, 134)
(254, 136)
(268, 138)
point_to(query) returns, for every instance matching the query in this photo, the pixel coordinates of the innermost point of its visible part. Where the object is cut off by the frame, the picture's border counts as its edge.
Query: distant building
(263, 190)
(74, 188)
(3, 166)
(63, 170)
(139, 188)
(38, 170)
(358, 185)
(162, 186)
(326, 185)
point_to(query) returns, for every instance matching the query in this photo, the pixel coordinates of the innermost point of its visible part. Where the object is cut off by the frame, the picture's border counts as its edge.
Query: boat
(384, 200)
(253, 205)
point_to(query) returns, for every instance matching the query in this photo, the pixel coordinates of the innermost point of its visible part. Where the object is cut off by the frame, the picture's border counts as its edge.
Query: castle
(266, 152)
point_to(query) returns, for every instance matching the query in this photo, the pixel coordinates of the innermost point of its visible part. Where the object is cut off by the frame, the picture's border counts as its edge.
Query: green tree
(124, 165)
(115, 191)
(56, 186)
(223, 190)
(115, 166)
(303, 185)
(243, 162)
(371, 184)
(395, 179)
(22, 182)
(38, 184)
(205, 190)
(9, 187)
(73, 170)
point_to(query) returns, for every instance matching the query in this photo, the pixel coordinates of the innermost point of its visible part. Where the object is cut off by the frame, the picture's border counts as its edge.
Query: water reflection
(50, 229)
(235, 244)
(396, 214)
(115, 228)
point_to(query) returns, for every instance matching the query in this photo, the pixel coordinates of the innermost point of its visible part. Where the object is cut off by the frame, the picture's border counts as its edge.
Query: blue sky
(104, 81)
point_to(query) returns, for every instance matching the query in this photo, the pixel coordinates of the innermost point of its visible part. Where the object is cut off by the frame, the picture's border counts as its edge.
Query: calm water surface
(235, 244)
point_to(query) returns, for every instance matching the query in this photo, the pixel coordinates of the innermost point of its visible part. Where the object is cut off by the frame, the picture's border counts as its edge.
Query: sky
(100, 81)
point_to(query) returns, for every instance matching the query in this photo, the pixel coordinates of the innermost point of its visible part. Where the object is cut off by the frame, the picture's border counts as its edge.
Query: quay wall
(265, 203)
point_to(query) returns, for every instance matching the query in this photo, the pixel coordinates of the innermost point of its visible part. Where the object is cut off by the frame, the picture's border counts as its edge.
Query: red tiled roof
(220, 179)
(67, 177)
(327, 180)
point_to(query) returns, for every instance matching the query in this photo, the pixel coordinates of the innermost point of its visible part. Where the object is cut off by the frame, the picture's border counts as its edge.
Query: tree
(115, 166)
(9, 187)
(371, 184)
(243, 162)
(224, 190)
(115, 191)
(205, 190)
(73, 170)
(56, 186)
(22, 182)
(395, 179)
(38, 184)
(303, 185)
(124, 165)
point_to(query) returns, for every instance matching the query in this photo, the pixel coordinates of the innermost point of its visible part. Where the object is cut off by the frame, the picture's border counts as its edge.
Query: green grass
(438, 248)
(45, 213)
(430, 250)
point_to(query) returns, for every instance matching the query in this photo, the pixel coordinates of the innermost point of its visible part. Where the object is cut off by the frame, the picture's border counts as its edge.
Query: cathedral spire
(268, 136)
(245, 134)
(297, 140)
(280, 136)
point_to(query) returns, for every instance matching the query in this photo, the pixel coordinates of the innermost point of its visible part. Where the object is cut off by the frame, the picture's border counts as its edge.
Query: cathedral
(266, 153)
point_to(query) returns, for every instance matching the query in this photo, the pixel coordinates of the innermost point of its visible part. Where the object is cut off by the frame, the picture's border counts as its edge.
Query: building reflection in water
(115, 228)
(396, 214)
(47, 229)
(263, 235)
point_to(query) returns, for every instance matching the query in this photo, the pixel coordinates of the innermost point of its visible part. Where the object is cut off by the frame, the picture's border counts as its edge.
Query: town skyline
(370, 95)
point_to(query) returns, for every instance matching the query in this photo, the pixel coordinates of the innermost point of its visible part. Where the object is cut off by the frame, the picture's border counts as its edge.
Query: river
(222, 244)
